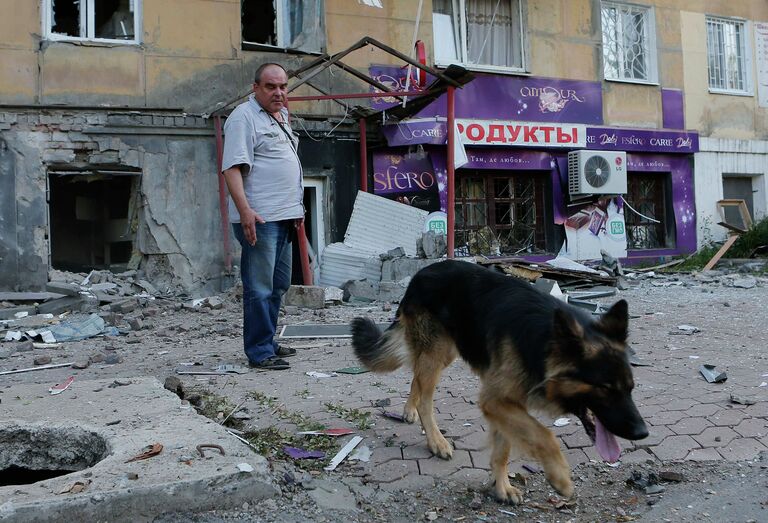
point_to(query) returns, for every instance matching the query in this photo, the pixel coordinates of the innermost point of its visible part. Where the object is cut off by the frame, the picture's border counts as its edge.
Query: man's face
(271, 91)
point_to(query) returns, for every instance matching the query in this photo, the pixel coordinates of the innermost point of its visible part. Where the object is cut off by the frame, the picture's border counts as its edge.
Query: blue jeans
(265, 269)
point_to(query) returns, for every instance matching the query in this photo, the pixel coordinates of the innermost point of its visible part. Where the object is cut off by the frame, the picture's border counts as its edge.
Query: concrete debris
(308, 296)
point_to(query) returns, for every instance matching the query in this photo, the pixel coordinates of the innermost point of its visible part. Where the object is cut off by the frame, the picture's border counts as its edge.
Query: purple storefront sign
(409, 179)
(428, 131)
(492, 97)
(508, 159)
(413, 132)
(396, 78)
(641, 140)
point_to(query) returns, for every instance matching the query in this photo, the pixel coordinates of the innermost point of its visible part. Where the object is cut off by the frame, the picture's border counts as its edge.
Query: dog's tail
(380, 352)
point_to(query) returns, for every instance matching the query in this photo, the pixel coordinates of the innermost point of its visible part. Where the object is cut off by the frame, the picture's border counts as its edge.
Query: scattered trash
(299, 453)
(362, 453)
(119, 383)
(386, 402)
(42, 367)
(637, 362)
(353, 370)
(220, 370)
(75, 488)
(693, 357)
(686, 329)
(533, 469)
(315, 374)
(671, 475)
(711, 374)
(72, 331)
(149, 452)
(650, 484)
(327, 432)
(392, 415)
(343, 453)
(61, 387)
(763, 384)
(561, 504)
(508, 513)
(244, 467)
(12, 336)
(742, 400)
(209, 446)
(562, 422)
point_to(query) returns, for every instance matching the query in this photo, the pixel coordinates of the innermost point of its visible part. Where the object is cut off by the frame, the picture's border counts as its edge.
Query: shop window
(500, 214)
(479, 34)
(728, 58)
(286, 24)
(650, 220)
(108, 20)
(92, 218)
(629, 42)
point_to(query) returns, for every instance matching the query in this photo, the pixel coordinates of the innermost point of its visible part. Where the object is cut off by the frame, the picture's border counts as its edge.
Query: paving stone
(471, 476)
(675, 447)
(728, 418)
(753, 427)
(575, 457)
(435, 466)
(577, 440)
(709, 454)
(474, 440)
(418, 451)
(680, 404)
(655, 436)
(716, 437)
(669, 417)
(703, 409)
(384, 454)
(742, 449)
(637, 456)
(690, 426)
(481, 459)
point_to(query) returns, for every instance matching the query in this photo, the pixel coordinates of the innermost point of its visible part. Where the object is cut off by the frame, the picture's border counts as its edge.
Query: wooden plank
(727, 245)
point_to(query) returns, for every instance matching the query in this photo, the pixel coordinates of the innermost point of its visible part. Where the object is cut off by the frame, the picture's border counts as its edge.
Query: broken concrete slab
(309, 296)
(149, 415)
(82, 303)
(60, 287)
(29, 296)
(11, 312)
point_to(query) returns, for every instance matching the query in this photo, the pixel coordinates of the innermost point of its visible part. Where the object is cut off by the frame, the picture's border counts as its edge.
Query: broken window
(500, 214)
(291, 24)
(92, 19)
(648, 227)
(487, 34)
(92, 220)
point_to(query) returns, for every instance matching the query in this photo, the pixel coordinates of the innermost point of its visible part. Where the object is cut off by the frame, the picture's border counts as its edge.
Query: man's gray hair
(260, 69)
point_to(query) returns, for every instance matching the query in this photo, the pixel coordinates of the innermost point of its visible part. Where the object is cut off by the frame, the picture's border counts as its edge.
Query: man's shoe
(273, 363)
(285, 352)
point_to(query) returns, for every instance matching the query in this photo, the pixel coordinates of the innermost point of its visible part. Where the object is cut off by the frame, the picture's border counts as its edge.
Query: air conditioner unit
(597, 172)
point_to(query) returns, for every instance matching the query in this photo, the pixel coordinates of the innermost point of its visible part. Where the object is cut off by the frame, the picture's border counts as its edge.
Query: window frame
(747, 56)
(278, 6)
(87, 20)
(462, 50)
(651, 45)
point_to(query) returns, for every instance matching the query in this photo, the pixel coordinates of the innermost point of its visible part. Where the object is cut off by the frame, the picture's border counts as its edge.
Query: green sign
(617, 228)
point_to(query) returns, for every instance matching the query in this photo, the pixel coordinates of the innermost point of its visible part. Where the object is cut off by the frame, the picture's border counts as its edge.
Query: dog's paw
(562, 483)
(506, 493)
(410, 415)
(441, 448)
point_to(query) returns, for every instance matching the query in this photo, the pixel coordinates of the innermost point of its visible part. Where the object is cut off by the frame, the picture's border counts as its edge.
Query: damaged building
(107, 151)
(108, 126)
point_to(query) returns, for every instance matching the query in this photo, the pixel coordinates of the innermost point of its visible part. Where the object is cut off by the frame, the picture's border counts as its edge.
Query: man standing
(264, 176)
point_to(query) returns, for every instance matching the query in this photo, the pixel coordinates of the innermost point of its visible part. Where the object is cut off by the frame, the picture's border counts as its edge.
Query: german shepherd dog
(529, 349)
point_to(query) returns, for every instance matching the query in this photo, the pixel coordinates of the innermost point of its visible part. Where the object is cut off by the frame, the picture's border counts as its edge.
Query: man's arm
(248, 217)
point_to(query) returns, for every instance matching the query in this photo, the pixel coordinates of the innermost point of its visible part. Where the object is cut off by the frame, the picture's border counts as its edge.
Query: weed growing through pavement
(362, 420)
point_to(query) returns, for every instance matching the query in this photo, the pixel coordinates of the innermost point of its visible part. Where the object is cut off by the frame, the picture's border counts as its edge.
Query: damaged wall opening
(29, 455)
(92, 217)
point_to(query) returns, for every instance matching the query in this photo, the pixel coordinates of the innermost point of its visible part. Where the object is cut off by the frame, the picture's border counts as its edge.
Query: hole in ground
(32, 454)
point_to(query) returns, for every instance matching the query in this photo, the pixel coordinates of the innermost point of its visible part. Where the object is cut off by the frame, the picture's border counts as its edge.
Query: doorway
(738, 188)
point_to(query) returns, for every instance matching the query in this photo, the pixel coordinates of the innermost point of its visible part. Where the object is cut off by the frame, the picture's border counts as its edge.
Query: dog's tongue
(606, 443)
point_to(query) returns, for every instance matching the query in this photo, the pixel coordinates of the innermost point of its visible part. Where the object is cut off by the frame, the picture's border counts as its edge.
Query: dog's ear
(567, 334)
(614, 322)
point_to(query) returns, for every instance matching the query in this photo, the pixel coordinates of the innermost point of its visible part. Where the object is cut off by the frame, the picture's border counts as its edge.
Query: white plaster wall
(719, 156)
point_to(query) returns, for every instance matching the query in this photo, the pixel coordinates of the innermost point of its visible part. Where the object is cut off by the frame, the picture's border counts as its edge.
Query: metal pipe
(223, 208)
(363, 157)
(451, 171)
(306, 270)
(356, 95)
